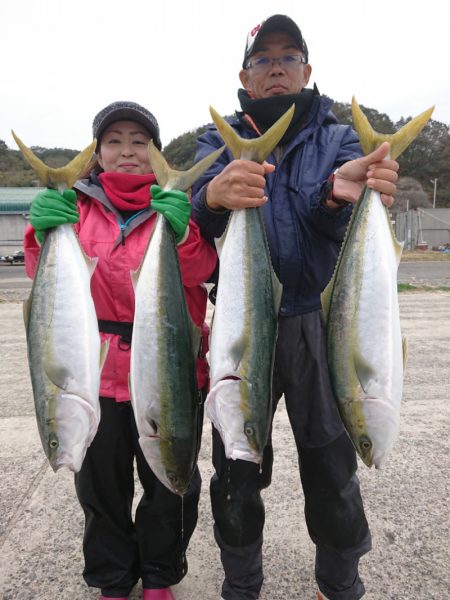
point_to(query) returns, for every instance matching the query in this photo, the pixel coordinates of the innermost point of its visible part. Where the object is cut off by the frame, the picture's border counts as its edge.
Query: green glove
(175, 206)
(49, 209)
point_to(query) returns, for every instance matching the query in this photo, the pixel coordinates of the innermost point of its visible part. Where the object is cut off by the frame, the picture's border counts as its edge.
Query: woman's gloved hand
(175, 206)
(50, 209)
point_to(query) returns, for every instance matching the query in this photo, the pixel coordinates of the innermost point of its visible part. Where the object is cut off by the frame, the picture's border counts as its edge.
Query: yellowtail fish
(366, 351)
(63, 342)
(244, 328)
(164, 349)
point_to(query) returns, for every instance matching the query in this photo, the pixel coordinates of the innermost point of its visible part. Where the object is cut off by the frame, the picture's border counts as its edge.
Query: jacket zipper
(125, 224)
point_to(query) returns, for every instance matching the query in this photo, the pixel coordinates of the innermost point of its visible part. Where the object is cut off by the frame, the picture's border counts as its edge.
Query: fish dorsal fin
(91, 263)
(26, 311)
(170, 179)
(196, 336)
(399, 141)
(326, 296)
(220, 241)
(405, 351)
(398, 246)
(104, 348)
(63, 177)
(257, 149)
(277, 290)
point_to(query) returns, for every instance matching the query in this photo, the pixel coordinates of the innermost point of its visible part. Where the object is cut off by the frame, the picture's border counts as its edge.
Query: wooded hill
(427, 159)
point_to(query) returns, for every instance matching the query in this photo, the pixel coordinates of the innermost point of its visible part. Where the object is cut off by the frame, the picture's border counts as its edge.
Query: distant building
(427, 229)
(14, 209)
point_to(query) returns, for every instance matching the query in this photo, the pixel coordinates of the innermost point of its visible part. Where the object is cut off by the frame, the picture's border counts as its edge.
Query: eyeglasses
(288, 62)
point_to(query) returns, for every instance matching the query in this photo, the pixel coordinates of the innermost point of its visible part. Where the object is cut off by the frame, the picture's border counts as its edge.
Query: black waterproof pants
(118, 551)
(333, 506)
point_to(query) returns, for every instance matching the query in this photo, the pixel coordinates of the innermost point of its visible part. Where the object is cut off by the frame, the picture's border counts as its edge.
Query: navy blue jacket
(304, 236)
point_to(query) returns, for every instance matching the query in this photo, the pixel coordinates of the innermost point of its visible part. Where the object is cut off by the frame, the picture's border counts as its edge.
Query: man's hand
(239, 185)
(371, 170)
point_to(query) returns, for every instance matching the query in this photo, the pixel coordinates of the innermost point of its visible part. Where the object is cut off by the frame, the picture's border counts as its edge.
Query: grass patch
(407, 287)
(424, 255)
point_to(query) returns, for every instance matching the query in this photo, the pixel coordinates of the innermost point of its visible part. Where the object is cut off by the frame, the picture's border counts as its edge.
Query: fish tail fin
(170, 179)
(257, 149)
(51, 177)
(399, 141)
(39, 167)
(74, 169)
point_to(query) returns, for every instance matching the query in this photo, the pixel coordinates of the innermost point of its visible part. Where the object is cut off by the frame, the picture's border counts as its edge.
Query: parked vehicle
(17, 258)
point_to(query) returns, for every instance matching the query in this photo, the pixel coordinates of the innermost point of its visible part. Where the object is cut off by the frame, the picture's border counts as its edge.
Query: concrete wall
(12, 227)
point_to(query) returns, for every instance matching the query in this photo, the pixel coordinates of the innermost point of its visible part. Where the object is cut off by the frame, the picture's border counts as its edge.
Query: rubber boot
(160, 594)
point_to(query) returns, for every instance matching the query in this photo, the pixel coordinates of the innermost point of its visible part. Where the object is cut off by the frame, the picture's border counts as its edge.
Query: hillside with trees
(427, 159)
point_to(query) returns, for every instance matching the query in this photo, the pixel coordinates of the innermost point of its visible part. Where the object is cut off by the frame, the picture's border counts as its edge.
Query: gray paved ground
(407, 503)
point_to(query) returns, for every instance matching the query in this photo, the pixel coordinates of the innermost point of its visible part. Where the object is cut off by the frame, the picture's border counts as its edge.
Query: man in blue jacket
(306, 189)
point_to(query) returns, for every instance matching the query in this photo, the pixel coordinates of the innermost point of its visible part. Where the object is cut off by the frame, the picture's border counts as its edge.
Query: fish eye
(53, 442)
(249, 430)
(172, 477)
(365, 443)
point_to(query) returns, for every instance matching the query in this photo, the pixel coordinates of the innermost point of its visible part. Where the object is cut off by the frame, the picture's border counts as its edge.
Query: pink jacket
(119, 253)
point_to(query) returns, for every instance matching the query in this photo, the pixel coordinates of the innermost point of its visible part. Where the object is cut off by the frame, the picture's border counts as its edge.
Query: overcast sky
(63, 61)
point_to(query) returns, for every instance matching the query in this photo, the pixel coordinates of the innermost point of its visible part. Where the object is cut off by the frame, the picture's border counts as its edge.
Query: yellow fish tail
(254, 149)
(399, 141)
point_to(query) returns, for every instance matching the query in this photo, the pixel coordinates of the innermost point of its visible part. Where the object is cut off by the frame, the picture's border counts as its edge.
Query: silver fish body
(243, 338)
(366, 351)
(365, 348)
(164, 348)
(64, 349)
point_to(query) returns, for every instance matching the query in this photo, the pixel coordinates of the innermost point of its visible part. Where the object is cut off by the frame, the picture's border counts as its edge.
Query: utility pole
(434, 181)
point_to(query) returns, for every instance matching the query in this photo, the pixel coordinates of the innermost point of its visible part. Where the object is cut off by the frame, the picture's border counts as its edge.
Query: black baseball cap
(124, 110)
(273, 23)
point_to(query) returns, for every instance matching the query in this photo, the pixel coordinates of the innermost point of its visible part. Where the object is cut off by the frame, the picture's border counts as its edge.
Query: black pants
(333, 506)
(117, 552)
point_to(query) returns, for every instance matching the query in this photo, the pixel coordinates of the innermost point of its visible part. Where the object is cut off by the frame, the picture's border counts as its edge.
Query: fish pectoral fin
(236, 352)
(364, 371)
(405, 351)
(57, 373)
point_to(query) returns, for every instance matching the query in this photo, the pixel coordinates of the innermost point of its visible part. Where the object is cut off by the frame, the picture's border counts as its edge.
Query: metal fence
(423, 228)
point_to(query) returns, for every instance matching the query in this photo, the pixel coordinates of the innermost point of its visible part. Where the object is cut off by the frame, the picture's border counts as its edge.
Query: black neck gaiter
(265, 111)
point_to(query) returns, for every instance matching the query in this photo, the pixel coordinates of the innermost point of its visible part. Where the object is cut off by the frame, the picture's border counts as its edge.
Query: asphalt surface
(436, 273)
(407, 503)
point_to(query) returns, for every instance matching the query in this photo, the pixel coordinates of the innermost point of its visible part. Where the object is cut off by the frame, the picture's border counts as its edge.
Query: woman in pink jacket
(113, 215)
